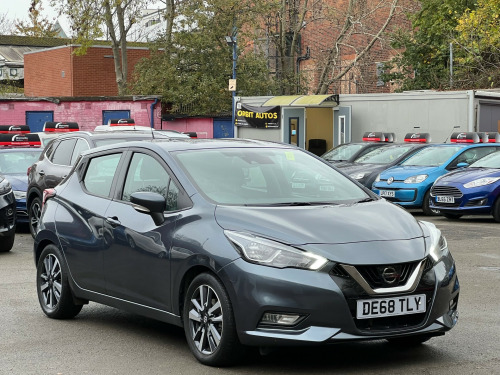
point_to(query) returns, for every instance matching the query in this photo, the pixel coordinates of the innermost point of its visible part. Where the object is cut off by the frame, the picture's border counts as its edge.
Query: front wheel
(209, 322)
(496, 210)
(426, 205)
(34, 213)
(54, 292)
(7, 241)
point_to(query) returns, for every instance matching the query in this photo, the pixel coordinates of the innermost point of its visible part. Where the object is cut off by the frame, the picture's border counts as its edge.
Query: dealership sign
(258, 117)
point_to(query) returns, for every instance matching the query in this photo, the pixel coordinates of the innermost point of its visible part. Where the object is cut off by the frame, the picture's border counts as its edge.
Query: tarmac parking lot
(103, 340)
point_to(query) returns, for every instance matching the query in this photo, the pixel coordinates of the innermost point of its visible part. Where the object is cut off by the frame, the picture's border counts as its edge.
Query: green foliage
(425, 58)
(37, 26)
(194, 70)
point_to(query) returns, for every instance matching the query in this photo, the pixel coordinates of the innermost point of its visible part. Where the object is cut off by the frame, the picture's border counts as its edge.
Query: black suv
(7, 215)
(58, 158)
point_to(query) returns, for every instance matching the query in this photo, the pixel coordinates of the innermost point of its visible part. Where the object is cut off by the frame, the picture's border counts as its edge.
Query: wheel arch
(32, 194)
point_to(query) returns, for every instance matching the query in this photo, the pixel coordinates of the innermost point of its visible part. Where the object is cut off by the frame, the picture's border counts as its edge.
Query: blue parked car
(18, 152)
(409, 183)
(471, 191)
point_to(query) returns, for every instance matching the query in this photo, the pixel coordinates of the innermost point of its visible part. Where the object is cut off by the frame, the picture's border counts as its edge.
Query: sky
(19, 9)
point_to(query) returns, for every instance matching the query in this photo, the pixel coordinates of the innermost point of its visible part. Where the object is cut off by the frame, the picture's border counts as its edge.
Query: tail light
(28, 172)
(47, 194)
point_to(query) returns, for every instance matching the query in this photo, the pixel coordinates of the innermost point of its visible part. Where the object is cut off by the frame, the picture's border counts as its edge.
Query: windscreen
(432, 156)
(384, 155)
(265, 176)
(18, 161)
(489, 161)
(343, 152)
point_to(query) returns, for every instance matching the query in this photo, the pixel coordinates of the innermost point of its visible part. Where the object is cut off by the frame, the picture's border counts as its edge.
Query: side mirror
(462, 165)
(149, 203)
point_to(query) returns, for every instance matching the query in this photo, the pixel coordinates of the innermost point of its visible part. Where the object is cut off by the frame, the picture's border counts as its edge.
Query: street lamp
(231, 42)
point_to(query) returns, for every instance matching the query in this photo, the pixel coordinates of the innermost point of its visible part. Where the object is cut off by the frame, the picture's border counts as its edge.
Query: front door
(36, 119)
(293, 126)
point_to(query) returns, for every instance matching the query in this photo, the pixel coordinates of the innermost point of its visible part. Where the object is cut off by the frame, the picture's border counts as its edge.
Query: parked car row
(407, 178)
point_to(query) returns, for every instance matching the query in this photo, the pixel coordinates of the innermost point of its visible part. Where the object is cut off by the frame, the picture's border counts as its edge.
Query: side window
(100, 174)
(49, 150)
(471, 155)
(147, 174)
(63, 152)
(81, 145)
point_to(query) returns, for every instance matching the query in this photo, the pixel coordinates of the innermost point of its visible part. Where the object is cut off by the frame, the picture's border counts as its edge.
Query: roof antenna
(455, 127)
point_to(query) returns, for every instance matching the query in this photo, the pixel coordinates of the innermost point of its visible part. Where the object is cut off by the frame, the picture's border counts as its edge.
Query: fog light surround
(280, 319)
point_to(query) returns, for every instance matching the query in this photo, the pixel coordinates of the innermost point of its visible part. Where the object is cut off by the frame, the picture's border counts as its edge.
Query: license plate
(445, 199)
(387, 193)
(381, 307)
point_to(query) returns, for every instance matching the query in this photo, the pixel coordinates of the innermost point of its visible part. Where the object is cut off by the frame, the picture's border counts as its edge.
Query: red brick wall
(58, 72)
(48, 73)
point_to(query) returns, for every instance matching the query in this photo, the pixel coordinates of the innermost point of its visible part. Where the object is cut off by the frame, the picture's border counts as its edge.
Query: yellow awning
(302, 100)
(282, 100)
(308, 100)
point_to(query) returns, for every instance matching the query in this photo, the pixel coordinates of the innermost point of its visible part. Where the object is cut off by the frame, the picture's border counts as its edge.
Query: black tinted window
(81, 145)
(63, 152)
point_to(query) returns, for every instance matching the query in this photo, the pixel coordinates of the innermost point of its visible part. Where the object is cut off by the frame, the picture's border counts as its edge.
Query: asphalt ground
(104, 340)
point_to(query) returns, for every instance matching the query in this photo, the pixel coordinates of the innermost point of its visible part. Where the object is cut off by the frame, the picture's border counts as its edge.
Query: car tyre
(34, 213)
(409, 340)
(209, 322)
(426, 205)
(496, 210)
(54, 292)
(7, 241)
(453, 216)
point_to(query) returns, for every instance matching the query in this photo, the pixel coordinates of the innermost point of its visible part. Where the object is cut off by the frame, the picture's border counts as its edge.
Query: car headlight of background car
(4, 185)
(481, 182)
(416, 179)
(19, 194)
(358, 176)
(274, 254)
(438, 245)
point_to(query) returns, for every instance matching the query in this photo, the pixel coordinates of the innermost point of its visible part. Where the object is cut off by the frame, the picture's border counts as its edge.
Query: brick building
(59, 72)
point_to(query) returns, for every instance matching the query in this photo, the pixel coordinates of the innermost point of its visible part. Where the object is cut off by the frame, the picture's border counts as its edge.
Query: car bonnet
(401, 172)
(469, 174)
(371, 225)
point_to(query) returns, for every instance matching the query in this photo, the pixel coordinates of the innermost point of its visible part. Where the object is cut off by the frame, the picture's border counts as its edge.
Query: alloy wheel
(51, 281)
(35, 212)
(205, 319)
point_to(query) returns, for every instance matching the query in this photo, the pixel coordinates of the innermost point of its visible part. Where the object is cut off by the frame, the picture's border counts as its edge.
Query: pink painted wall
(204, 127)
(88, 114)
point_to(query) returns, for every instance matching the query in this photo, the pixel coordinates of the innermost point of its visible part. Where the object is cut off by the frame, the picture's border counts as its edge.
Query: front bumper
(7, 213)
(407, 195)
(327, 303)
(479, 201)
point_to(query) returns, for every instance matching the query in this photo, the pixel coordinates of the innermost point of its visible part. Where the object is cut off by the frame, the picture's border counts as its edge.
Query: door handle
(113, 221)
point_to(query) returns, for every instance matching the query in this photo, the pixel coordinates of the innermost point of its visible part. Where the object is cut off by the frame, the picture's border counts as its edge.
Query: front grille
(377, 276)
(339, 271)
(441, 204)
(449, 191)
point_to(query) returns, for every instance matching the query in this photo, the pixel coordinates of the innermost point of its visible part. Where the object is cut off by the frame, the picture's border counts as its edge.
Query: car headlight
(438, 245)
(358, 176)
(273, 254)
(4, 185)
(481, 182)
(416, 179)
(19, 194)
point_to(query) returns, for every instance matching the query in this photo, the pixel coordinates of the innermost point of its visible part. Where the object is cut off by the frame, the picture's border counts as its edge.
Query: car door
(80, 219)
(137, 262)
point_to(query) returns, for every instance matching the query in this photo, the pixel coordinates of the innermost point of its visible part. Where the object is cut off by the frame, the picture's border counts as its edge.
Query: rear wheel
(7, 241)
(426, 205)
(496, 210)
(209, 322)
(34, 212)
(452, 216)
(54, 292)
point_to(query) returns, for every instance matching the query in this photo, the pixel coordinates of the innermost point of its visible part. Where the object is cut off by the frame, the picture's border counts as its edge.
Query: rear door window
(81, 145)
(100, 173)
(63, 152)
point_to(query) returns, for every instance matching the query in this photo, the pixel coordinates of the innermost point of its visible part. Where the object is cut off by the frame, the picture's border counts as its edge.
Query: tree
(192, 71)
(37, 25)
(424, 61)
(87, 18)
(6, 25)
(478, 36)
